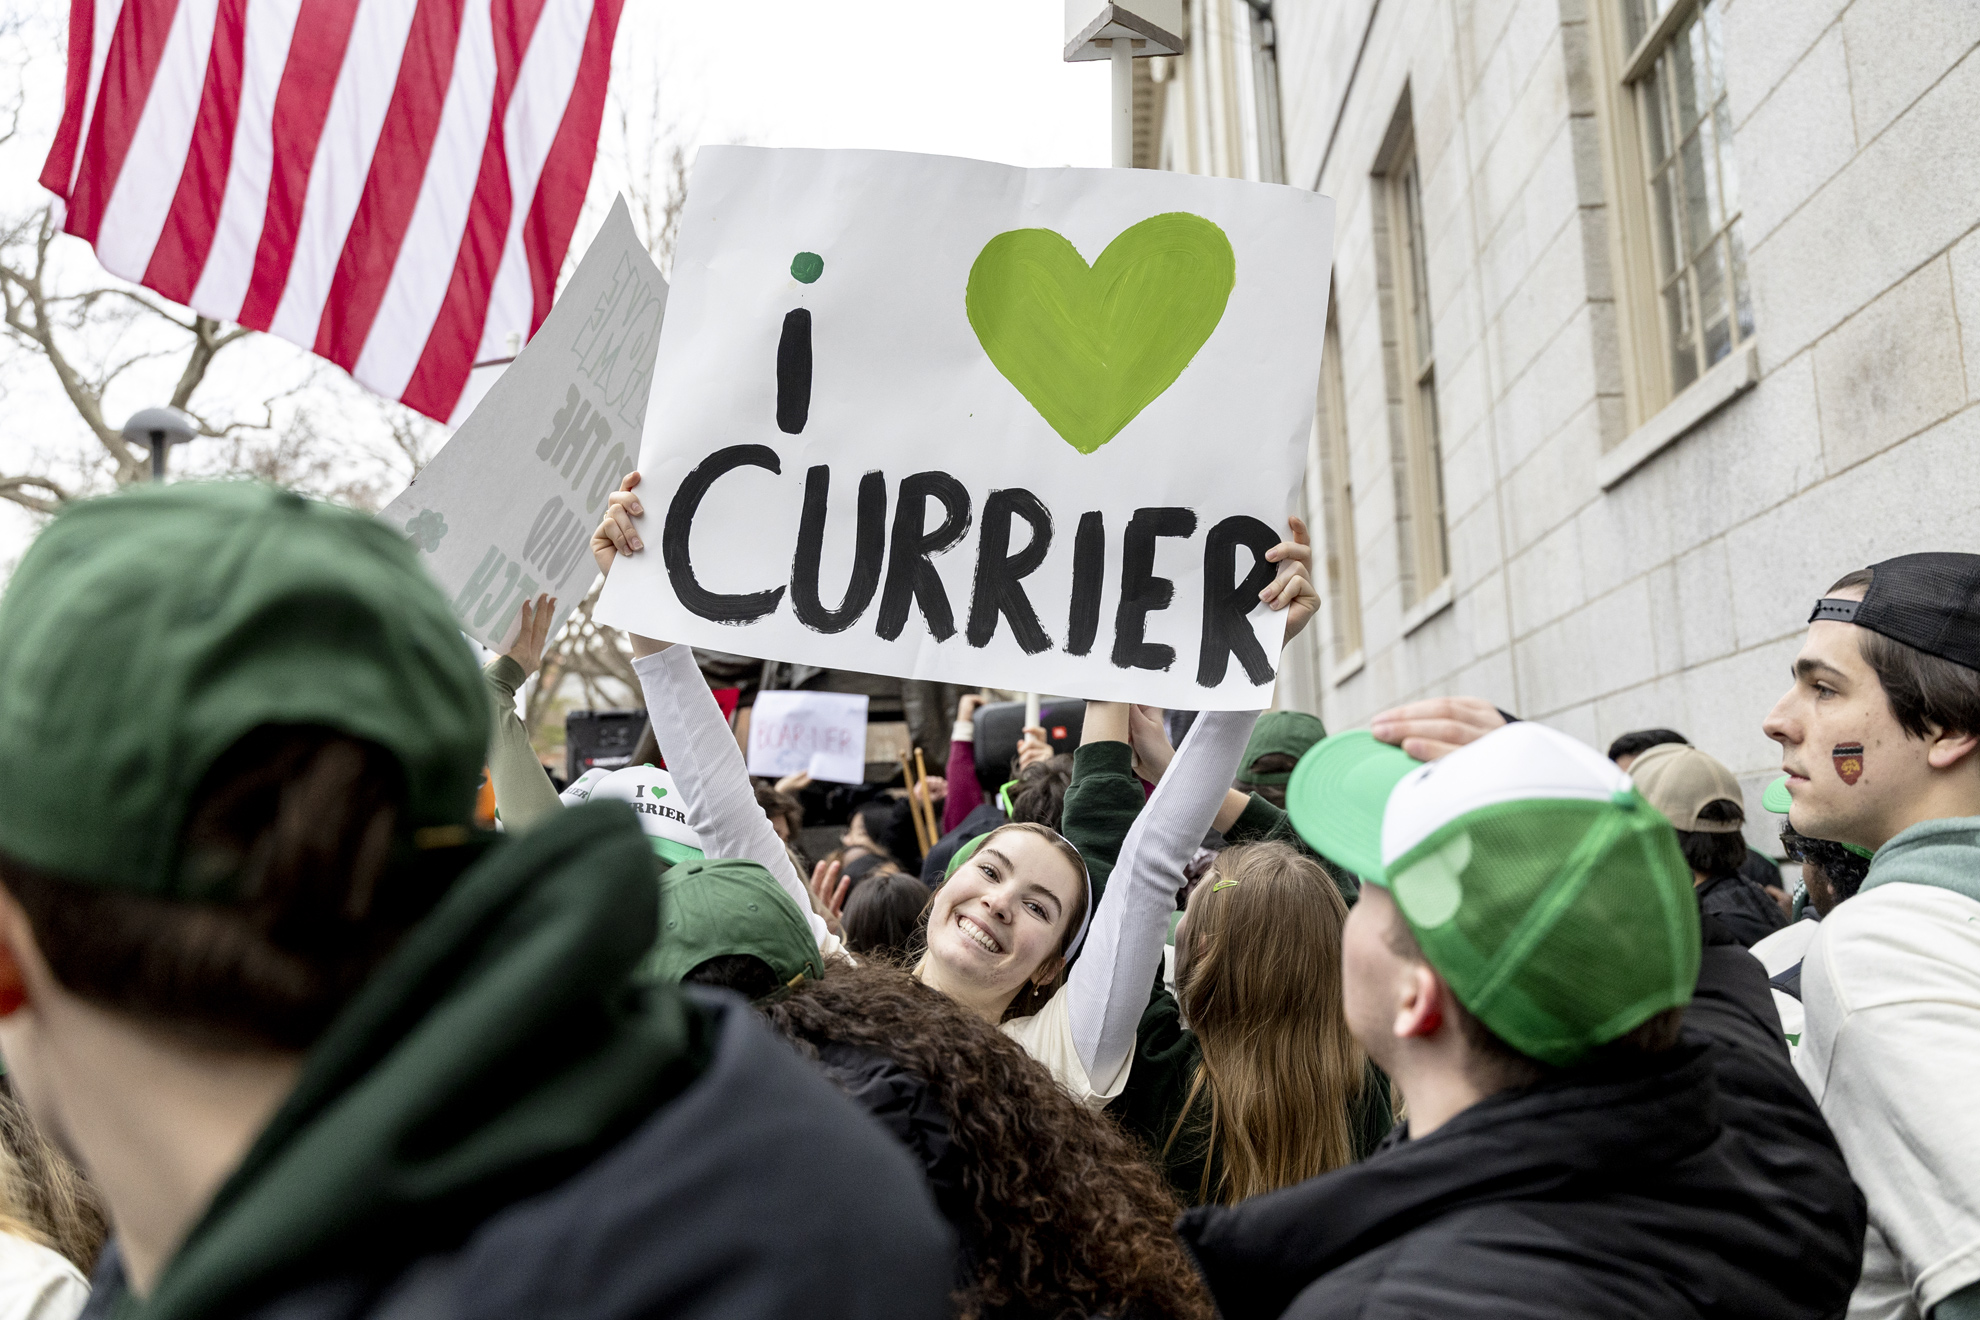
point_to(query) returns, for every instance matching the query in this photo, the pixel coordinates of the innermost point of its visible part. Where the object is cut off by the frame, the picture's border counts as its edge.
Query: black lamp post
(158, 429)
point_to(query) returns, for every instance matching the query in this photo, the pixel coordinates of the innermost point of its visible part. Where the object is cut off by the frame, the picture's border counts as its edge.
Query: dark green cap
(1286, 732)
(144, 633)
(712, 908)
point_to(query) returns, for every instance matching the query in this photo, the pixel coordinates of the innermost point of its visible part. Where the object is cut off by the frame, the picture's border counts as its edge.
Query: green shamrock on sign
(426, 529)
(1091, 346)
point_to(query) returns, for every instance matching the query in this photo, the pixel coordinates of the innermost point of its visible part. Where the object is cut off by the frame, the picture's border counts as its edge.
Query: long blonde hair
(1261, 988)
(43, 1197)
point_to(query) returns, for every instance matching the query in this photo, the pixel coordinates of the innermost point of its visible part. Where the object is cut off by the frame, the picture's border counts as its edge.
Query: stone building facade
(1649, 322)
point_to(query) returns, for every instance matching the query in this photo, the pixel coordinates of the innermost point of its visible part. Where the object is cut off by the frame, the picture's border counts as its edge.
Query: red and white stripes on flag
(391, 184)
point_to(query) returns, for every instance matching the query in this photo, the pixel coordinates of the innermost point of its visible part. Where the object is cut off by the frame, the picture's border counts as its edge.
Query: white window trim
(1429, 607)
(1737, 373)
(1644, 350)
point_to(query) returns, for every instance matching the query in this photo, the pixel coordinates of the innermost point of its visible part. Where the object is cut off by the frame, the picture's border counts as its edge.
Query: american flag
(391, 184)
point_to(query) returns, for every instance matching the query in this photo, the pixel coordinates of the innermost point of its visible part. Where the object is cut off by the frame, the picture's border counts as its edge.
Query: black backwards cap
(1930, 601)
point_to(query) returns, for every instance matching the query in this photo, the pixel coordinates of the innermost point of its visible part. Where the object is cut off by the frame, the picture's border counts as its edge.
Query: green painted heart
(1091, 346)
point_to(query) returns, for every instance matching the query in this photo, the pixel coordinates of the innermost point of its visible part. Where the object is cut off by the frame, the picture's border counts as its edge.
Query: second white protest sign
(507, 507)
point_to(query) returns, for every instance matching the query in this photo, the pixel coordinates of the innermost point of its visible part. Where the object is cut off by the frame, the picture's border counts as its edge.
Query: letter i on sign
(794, 352)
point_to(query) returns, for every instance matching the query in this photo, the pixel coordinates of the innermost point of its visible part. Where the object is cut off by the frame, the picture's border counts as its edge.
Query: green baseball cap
(1284, 732)
(145, 632)
(712, 908)
(1539, 883)
(1778, 800)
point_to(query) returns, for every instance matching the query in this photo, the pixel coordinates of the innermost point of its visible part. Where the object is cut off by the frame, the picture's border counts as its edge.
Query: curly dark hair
(1069, 1217)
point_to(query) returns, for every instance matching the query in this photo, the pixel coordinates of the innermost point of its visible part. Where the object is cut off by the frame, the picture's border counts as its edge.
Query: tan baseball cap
(1679, 780)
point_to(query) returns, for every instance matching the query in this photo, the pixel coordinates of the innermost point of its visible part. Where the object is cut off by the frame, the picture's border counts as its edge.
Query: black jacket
(903, 1104)
(1748, 912)
(1707, 1185)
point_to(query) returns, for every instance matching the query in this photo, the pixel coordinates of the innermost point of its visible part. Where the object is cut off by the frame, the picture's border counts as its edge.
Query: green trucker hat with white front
(663, 814)
(1544, 889)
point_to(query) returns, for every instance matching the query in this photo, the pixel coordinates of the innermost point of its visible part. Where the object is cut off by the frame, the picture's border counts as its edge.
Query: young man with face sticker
(1880, 738)
(1523, 959)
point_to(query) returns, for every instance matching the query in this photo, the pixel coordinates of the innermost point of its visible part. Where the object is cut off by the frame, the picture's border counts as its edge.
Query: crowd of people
(1211, 1014)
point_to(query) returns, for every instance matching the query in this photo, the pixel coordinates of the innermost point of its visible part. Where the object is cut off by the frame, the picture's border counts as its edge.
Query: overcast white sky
(903, 75)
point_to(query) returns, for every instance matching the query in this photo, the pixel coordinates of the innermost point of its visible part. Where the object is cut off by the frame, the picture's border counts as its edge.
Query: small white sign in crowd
(822, 734)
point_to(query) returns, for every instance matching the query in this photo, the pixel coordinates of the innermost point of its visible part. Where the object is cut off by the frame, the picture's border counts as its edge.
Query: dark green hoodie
(502, 1051)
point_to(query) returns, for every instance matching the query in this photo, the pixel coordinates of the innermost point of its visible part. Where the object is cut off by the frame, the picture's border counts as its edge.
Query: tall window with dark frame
(1337, 498)
(1675, 71)
(1413, 364)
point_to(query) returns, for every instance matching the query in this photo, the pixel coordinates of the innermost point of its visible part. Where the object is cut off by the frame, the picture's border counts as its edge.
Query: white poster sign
(506, 508)
(823, 733)
(951, 420)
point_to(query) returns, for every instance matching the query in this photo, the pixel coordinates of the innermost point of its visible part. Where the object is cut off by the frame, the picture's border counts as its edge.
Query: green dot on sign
(806, 267)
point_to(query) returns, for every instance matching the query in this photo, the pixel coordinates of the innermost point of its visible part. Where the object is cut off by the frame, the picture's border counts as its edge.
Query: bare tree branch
(414, 438)
(20, 490)
(42, 319)
(587, 652)
(656, 172)
(12, 25)
(89, 298)
(27, 315)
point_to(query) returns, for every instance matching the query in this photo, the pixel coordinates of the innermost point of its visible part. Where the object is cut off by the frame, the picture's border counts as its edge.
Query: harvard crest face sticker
(1849, 761)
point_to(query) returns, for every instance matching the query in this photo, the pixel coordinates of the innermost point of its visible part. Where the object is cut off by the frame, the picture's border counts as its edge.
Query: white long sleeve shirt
(1109, 984)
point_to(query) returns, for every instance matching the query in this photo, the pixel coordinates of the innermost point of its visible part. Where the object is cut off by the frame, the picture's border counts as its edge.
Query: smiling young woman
(1011, 913)
(1000, 926)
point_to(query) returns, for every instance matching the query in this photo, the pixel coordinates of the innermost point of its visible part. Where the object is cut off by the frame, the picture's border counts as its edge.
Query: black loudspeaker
(1000, 725)
(600, 738)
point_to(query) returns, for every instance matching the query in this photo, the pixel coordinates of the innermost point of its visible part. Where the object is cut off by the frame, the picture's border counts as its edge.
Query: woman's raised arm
(695, 740)
(1108, 987)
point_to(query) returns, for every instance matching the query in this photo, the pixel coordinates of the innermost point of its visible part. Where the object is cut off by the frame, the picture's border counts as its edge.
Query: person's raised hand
(1437, 727)
(1034, 748)
(967, 707)
(1149, 738)
(830, 888)
(933, 790)
(616, 534)
(794, 783)
(1292, 590)
(532, 632)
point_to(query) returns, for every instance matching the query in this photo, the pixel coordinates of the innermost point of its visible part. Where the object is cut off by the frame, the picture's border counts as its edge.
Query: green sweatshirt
(1101, 804)
(1944, 853)
(1261, 822)
(524, 794)
(499, 1049)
